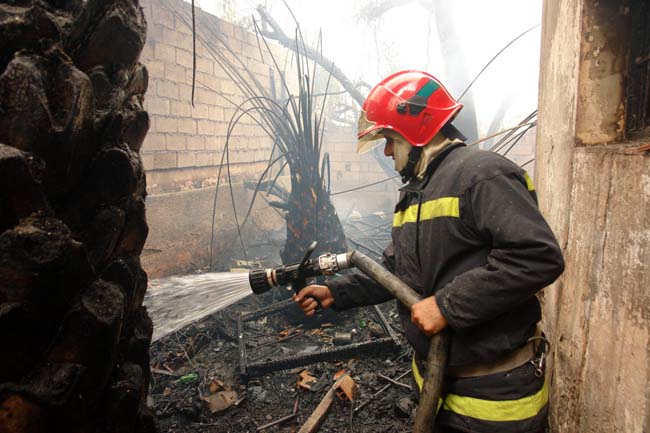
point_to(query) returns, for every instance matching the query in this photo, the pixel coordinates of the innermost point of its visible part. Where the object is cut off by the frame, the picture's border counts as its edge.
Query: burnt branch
(278, 34)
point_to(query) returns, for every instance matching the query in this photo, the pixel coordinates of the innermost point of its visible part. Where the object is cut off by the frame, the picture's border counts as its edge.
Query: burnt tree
(295, 124)
(310, 214)
(74, 335)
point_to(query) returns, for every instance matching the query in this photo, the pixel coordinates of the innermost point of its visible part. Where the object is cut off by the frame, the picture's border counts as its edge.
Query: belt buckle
(539, 360)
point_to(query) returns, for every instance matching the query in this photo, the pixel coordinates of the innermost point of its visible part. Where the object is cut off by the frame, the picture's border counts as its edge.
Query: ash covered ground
(196, 384)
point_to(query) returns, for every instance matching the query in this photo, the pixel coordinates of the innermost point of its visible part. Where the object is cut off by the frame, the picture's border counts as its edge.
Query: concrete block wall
(185, 137)
(350, 170)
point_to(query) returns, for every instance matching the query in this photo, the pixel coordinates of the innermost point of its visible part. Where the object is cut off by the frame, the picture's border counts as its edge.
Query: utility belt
(534, 351)
(477, 399)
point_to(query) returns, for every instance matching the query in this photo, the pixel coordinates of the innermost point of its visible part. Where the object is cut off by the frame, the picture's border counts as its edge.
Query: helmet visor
(369, 138)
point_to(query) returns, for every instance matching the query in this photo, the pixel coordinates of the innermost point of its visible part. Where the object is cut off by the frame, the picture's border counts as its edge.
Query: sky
(406, 37)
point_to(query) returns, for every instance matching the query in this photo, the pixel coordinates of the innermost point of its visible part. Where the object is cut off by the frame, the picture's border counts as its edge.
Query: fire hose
(262, 280)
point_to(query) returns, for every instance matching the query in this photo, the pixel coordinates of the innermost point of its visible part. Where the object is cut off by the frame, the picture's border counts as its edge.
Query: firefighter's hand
(307, 297)
(427, 316)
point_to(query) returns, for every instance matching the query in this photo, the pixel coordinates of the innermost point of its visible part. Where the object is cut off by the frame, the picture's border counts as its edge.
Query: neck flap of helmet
(408, 172)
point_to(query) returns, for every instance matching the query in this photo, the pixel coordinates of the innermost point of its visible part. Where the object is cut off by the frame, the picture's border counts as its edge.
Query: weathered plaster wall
(603, 332)
(595, 190)
(556, 124)
(603, 64)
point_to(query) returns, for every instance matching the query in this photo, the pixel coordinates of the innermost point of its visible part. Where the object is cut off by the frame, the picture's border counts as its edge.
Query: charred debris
(198, 383)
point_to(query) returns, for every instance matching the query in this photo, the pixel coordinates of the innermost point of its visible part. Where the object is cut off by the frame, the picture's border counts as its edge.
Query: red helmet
(412, 103)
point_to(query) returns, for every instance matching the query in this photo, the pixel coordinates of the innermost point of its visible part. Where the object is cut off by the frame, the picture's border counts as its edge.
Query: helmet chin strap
(408, 172)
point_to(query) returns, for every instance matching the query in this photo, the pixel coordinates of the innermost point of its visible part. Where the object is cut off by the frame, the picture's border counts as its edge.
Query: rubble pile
(197, 385)
(74, 334)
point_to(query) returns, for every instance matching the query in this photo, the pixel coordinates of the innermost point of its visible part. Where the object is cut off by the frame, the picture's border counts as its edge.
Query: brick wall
(349, 171)
(185, 138)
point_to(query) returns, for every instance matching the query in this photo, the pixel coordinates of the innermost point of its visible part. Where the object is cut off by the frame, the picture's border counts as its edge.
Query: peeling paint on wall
(601, 104)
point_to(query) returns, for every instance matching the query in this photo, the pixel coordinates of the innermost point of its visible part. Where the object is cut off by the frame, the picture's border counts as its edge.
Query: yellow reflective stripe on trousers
(441, 207)
(529, 182)
(490, 410)
(495, 410)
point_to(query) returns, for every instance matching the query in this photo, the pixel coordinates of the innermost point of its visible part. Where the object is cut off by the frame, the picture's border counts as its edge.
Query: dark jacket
(470, 233)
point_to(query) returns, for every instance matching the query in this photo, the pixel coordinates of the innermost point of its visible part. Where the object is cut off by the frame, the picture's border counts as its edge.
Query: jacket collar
(416, 186)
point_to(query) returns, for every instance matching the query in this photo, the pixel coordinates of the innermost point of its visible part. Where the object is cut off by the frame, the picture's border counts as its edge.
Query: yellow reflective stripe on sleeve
(493, 410)
(441, 207)
(529, 182)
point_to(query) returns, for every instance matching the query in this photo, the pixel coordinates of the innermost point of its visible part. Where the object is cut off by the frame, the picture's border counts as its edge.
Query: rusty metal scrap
(378, 346)
(315, 419)
(220, 401)
(348, 389)
(305, 380)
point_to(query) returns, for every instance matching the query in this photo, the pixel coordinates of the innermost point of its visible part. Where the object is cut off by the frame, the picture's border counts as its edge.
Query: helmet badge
(418, 102)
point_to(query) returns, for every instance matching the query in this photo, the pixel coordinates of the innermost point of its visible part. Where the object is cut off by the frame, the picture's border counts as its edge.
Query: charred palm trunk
(311, 216)
(73, 332)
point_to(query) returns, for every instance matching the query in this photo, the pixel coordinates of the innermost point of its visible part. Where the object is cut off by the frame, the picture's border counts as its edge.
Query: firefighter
(468, 236)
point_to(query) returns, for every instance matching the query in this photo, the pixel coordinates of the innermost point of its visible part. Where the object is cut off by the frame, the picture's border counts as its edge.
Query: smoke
(370, 39)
